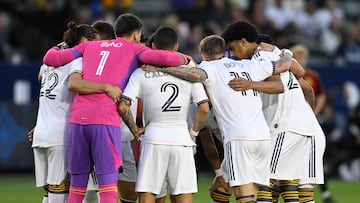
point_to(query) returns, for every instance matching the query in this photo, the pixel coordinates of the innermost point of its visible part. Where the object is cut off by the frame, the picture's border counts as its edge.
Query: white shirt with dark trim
(293, 113)
(238, 113)
(166, 100)
(54, 105)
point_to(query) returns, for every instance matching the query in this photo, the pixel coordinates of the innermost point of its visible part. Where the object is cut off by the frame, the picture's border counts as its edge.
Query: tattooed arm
(182, 72)
(297, 69)
(128, 118)
(283, 64)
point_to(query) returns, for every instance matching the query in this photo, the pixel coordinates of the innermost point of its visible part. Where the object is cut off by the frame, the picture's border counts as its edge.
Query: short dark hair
(165, 38)
(126, 24)
(72, 36)
(212, 45)
(105, 29)
(240, 29)
(264, 38)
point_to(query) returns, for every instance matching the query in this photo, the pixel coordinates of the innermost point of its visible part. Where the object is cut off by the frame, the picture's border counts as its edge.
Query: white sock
(45, 200)
(91, 196)
(58, 198)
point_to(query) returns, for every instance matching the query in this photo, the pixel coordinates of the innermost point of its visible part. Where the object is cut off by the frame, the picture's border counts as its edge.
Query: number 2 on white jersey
(104, 57)
(175, 92)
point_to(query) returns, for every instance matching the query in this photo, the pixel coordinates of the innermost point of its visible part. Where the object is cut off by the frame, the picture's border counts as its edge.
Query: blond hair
(300, 49)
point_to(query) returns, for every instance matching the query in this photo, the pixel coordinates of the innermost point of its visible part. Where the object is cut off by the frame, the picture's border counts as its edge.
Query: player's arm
(212, 155)
(58, 57)
(210, 150)
(30, 134)
(77, 84)
(271, 85)
(182, 72)
(308, 92)
(200, 118)
(161, 57)
(128, 118)
(283, 64)
(297, 69)
(319, 103)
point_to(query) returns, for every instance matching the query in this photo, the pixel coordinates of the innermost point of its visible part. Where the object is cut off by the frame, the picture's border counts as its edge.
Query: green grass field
(16, 188)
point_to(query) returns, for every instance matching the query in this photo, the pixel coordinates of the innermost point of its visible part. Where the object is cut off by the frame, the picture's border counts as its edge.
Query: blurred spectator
(329, 14)
(330, 19)
(241, 4)
(354, 116)
(280, 16)
(256, 15)
(4, 32)
(301, 54)
(305, 20)
(43, 25)
(307, 28)
(219, 12)
(287, 21)
(349, 50)
(349, 167)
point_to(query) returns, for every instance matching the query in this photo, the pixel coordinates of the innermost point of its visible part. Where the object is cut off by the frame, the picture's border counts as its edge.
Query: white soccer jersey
(165, 101)
(239, 114)
(54, 105)
(293, 113)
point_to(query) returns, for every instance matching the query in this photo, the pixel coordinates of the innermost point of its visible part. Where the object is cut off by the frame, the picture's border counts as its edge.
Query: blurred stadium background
(330, 29)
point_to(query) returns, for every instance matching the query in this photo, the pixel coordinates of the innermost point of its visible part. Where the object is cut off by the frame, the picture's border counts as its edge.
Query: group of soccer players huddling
(118, 117)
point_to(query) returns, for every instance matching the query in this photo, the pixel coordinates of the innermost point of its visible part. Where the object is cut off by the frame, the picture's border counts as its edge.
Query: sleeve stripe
(273, 65)
(202, 101)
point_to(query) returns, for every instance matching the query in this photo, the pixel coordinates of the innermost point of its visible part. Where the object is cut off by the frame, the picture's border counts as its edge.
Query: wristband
(218, 172)
(287, 51)
(194, 133)
(276, 51)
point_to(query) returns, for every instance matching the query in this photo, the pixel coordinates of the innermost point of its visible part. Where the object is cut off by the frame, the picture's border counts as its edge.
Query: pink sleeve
(162, 58)
(56, 57)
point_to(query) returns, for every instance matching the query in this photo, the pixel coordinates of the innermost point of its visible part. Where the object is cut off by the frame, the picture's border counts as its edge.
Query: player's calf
(246, 199)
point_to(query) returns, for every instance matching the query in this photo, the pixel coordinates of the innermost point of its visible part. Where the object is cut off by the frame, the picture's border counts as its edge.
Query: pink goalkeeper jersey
(111, 62)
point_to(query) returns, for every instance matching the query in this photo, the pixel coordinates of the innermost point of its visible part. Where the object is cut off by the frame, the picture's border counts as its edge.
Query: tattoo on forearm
(186, 73)
(128, 118)
(284, 59)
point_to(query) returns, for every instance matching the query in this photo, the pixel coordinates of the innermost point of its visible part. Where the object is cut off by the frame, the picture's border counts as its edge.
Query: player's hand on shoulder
(113, 92)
